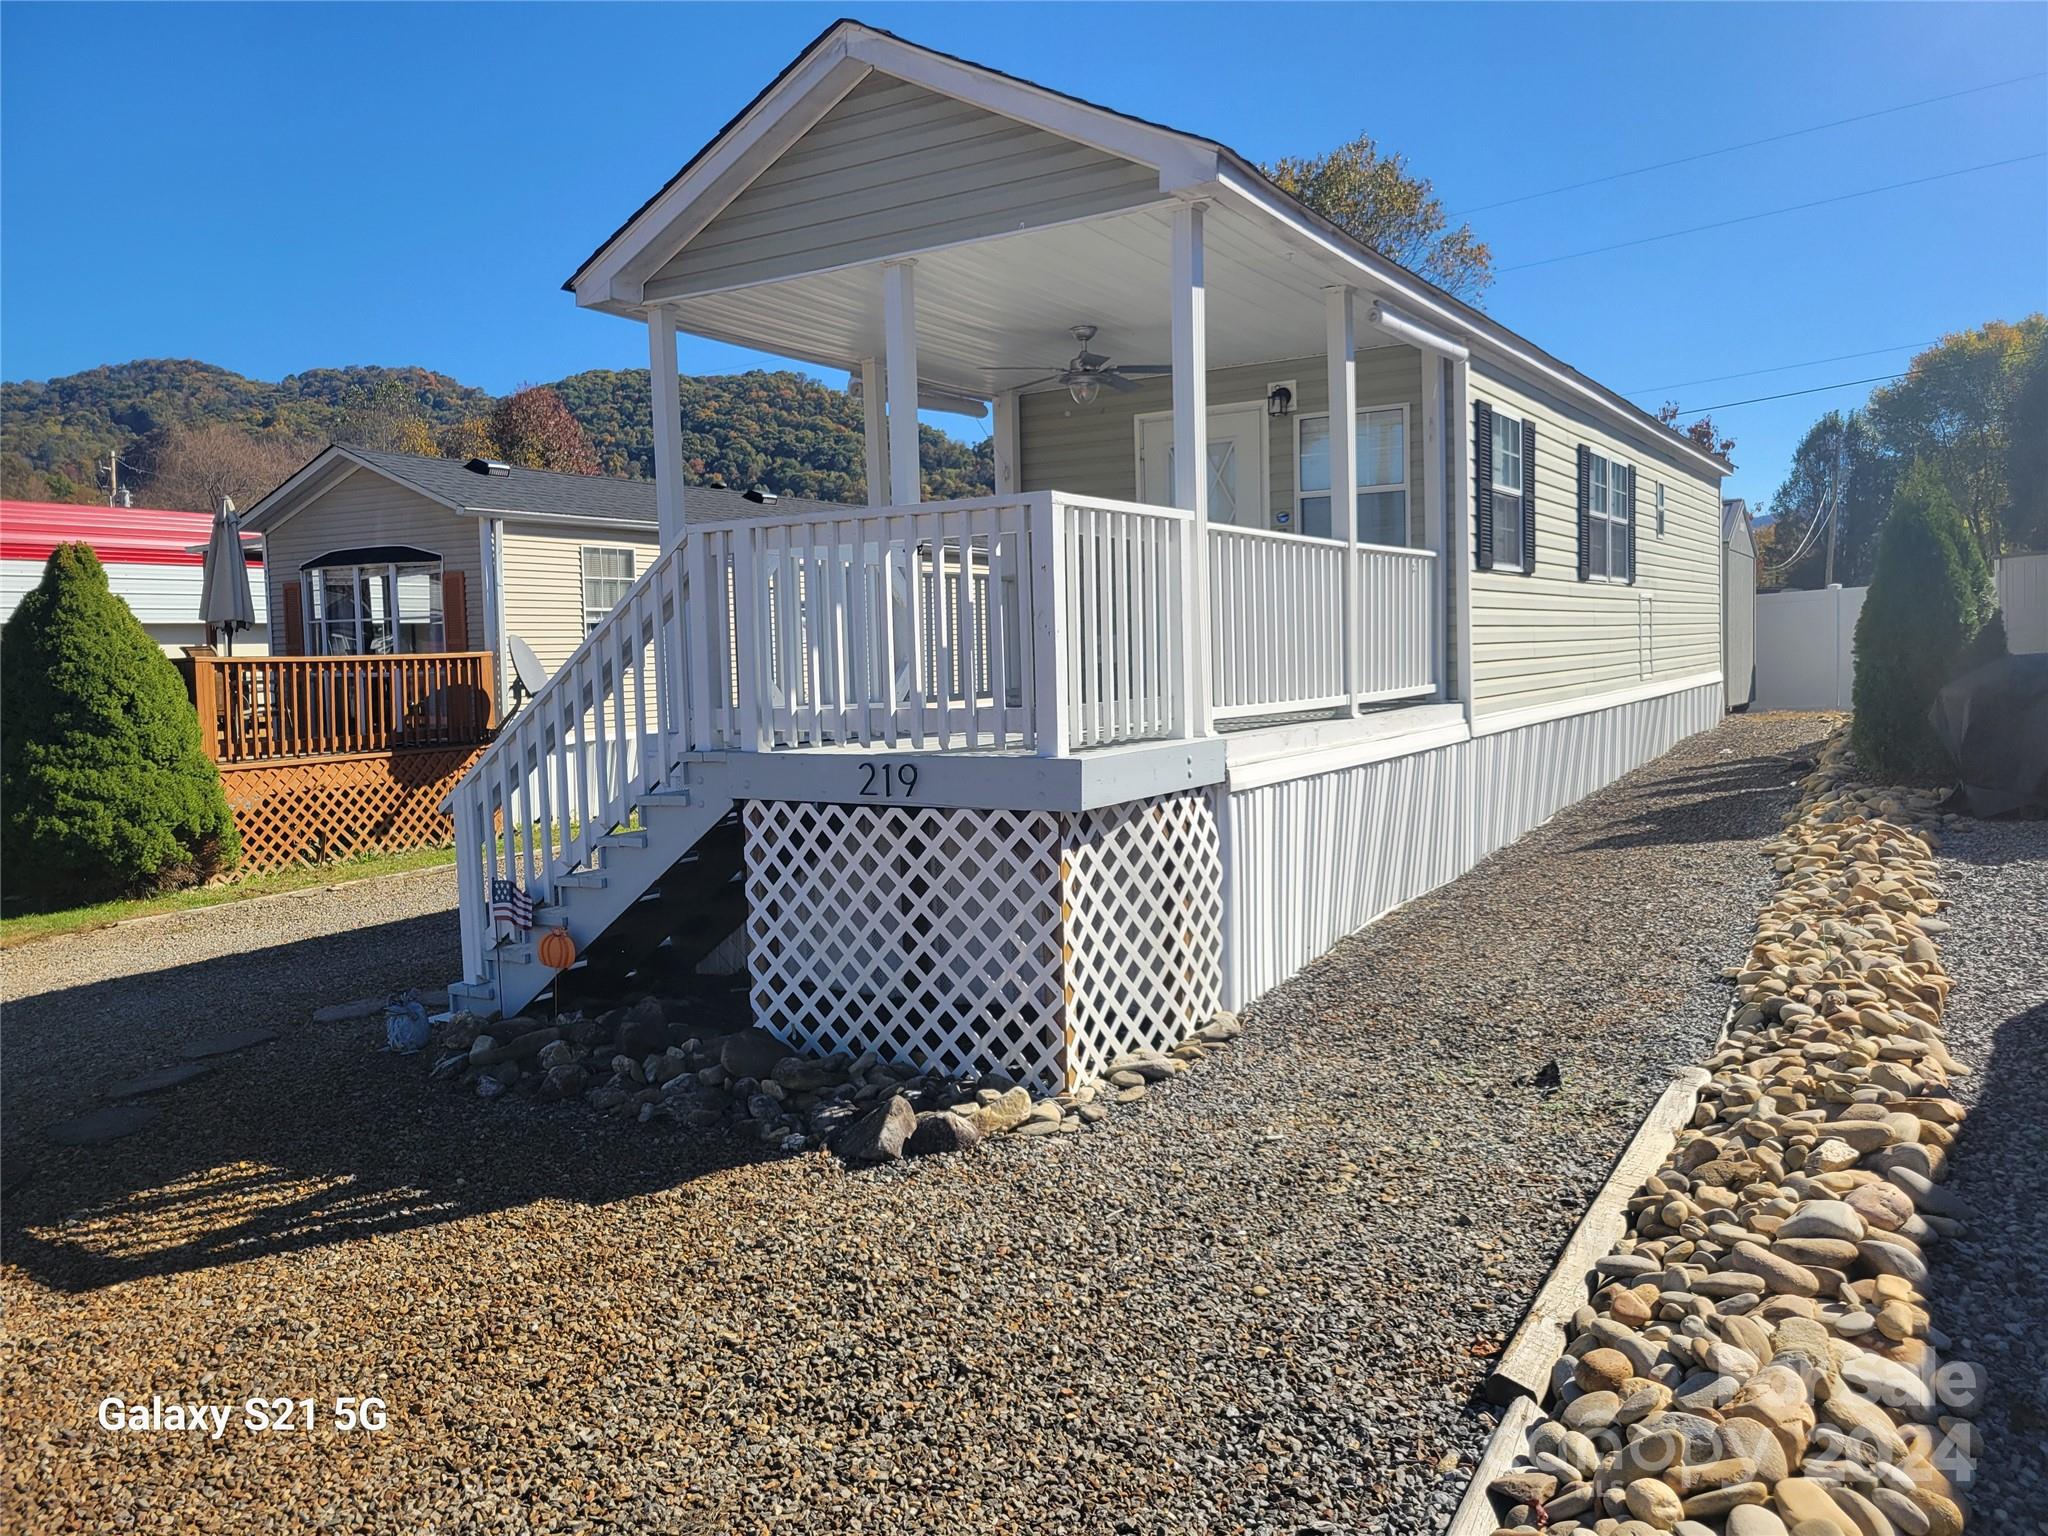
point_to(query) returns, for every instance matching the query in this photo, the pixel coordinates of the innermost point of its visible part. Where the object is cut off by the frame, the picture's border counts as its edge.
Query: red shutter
(294, 629)
(454, 610)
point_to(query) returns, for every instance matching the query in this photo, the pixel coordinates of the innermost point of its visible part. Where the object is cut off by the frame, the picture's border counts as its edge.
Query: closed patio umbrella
(224, 600)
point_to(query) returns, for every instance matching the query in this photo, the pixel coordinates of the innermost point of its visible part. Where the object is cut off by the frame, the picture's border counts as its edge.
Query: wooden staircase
(624, 870)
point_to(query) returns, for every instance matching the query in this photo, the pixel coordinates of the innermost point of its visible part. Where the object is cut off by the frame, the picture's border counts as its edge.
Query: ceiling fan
(1085, 375)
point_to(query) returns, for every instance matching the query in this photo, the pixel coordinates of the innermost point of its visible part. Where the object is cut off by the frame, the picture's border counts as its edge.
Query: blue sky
(274, 188)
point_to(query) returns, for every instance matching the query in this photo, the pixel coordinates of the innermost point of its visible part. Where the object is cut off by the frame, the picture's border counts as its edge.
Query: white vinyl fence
(1805, 648)
(2023, 595)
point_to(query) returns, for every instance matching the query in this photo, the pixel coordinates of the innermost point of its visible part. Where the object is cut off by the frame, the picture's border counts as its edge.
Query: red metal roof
(29, 530)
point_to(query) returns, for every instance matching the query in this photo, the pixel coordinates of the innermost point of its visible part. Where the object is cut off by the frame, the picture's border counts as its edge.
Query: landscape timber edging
(1524, 1368)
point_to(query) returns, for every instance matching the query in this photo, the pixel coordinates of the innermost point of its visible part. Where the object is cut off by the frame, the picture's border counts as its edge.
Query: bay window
(377, 602)
(1381, 499)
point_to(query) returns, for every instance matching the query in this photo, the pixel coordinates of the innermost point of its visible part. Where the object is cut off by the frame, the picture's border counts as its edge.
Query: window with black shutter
(1606, 521)
(1482, 485)
(1509, 493)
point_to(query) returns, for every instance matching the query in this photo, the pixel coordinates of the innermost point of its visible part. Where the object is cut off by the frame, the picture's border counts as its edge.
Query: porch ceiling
(1008, 302)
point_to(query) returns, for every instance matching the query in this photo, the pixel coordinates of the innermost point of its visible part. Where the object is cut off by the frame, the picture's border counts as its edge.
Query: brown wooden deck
(323, 757)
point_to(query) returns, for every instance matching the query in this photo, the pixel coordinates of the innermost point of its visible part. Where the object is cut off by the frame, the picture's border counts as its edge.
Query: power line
(1817, 389)
(1811, 362)
(1772, 213)
(1775, 138)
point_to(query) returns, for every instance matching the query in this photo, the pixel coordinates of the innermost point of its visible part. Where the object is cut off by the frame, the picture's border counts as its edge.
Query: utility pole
(1835, 510)
(113, 468)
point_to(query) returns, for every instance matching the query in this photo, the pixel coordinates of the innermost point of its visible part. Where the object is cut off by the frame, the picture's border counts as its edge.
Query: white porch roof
(993, 297)
(990, 307)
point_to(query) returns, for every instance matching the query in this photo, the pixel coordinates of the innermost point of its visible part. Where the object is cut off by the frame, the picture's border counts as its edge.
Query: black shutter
(1629, 505)
(1585, 512)
(1528, 498)
(1482, 484)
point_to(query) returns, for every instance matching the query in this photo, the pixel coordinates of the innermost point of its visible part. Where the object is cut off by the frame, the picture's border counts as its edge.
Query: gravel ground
(1990, 1289)
(86, 1005)
(1263, 1299)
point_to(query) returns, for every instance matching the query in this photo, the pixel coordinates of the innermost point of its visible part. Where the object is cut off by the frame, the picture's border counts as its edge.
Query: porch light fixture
(1280, 402)
(1084, 389)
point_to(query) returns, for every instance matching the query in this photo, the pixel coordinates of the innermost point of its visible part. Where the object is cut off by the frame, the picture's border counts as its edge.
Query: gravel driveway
(1261, 1299)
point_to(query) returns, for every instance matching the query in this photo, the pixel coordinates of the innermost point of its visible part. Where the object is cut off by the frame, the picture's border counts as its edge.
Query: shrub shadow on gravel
(316, 1138)
(1698, 805)
(1991, 1284)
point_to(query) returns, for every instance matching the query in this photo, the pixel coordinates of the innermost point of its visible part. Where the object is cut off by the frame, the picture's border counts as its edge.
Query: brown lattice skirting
(1040, 944)
(312, 810)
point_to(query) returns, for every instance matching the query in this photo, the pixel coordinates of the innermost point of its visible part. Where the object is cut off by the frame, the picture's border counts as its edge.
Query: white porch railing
(1277, 631)
(1042, 623)
(1276, 623)
(1395, 638)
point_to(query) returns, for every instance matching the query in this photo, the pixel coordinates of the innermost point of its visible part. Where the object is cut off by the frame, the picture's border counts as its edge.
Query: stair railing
(607, 727)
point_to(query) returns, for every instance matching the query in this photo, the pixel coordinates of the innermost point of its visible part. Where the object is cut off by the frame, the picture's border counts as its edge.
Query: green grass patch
(44, 925)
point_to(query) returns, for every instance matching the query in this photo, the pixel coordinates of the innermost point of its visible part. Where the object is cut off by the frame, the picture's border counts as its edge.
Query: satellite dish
(528, 675)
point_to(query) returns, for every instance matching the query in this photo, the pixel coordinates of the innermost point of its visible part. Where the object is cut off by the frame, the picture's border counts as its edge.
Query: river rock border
(1757, 1355)
(656, 1062)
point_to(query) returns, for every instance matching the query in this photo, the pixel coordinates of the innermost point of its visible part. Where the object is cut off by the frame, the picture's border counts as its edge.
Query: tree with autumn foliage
(1704, 434)
(1375, 198)
(1960, 409)
(534, 429)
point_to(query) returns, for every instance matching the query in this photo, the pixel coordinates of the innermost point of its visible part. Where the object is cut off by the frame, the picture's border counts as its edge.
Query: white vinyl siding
(1088, 449)
(544, 587)
(893, 168)
(1548, 637)
(362, 510)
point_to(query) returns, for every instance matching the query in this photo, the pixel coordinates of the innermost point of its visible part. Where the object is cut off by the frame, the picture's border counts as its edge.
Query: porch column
(899, 336)
(1434, 523)
(1341, 345)
(874, 422)
(668, 423)
(1191, 452)
(1005, 438)
(1457, 524)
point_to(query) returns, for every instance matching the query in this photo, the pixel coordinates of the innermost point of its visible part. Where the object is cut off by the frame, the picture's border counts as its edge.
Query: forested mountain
(782, 431)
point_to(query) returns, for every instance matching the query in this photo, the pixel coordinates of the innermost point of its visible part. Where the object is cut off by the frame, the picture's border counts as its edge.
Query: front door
(1237, 463)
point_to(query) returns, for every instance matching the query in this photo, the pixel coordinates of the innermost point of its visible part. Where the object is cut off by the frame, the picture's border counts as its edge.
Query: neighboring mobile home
(394, 553)
(1030, 779)
(154, 556)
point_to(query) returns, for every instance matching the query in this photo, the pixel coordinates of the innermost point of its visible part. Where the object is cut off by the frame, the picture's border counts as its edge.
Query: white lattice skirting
(1036, 943)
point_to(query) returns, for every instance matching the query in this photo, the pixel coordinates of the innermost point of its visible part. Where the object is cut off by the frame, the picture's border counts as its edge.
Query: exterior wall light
(1280, 402)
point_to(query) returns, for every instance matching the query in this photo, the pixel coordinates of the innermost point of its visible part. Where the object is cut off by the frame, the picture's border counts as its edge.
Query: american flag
(509, 904)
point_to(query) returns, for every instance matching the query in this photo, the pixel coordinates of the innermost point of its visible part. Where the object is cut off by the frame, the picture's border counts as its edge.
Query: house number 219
(888, 781)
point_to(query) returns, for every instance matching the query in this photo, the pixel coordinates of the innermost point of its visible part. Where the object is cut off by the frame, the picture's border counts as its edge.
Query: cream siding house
(1033, 778)
(369, 551)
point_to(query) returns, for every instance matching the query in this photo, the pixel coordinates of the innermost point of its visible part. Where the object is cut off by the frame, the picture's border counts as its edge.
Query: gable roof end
(1185, 161)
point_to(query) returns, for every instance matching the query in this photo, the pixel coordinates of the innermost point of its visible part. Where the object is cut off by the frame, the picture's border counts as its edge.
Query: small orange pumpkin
(557, 950)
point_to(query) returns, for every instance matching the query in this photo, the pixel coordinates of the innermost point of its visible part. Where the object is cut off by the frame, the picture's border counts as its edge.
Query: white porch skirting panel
(1310, 860)
(1039, 944)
